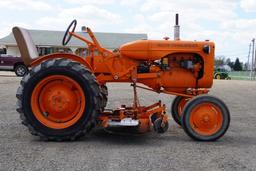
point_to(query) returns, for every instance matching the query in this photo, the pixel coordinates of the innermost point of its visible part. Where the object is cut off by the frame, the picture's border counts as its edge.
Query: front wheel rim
(181, 105)
(58, 101)
(206, 119)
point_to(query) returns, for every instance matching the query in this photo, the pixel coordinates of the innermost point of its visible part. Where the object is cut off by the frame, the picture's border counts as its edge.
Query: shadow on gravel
(131, 137)
(109, 137)
(125, 137)
(101, 136)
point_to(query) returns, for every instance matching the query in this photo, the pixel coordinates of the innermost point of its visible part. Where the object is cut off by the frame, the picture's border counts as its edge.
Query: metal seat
(26, 45)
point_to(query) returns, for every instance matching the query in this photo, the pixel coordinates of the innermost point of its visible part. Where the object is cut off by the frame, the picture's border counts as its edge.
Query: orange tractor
(63, 96)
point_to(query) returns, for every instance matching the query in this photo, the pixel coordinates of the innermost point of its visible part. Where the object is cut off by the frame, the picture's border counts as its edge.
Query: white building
(51, 41)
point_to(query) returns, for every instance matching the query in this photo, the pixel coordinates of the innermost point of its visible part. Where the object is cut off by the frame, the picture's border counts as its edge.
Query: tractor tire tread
(174, 109)
(86, 74)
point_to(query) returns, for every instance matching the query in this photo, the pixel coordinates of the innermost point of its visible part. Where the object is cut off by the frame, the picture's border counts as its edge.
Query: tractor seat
(26, 45)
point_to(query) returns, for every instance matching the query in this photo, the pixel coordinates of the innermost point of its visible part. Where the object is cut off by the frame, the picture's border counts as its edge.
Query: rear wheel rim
(58, 101)
(218, 77)
(206, 119)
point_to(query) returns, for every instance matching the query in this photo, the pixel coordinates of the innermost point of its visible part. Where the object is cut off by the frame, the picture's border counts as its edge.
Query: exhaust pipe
(177, 28)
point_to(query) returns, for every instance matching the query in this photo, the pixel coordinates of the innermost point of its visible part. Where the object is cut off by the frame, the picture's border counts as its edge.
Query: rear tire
(205, 118)
(20, 70)
(79, 89)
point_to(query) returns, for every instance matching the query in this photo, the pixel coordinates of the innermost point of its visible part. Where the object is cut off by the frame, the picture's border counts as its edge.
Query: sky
(231, 24)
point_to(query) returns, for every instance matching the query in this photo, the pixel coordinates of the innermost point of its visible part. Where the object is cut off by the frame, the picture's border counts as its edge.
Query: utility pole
(254, 68)
(248, 63)
(253, 41)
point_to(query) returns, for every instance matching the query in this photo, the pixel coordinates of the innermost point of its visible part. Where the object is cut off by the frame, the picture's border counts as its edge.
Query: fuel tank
(156, 49)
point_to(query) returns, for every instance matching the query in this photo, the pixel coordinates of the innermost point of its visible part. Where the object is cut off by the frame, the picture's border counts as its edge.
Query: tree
(228, 61)
(219, 60)
(231, 65)
(237, 65)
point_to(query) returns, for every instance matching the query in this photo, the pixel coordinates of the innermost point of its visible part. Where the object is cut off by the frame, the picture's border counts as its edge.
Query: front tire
(205, 118)
(177, 106)
(59, 100)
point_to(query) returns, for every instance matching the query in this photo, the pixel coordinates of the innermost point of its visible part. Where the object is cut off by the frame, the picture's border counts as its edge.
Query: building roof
(54, 38)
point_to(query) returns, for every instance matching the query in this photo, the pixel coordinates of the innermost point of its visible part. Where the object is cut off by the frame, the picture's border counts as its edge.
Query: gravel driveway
(100, 150)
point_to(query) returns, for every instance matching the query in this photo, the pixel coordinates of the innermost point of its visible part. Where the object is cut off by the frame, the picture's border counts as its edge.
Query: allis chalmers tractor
(63, 96)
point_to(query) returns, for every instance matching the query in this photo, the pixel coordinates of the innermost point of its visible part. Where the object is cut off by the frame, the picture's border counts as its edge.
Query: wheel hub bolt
(206, 118)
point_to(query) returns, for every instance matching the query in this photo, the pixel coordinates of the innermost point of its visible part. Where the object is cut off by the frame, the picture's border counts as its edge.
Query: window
(49, 50)
(83, 52)
(3, 51)
(44, 50)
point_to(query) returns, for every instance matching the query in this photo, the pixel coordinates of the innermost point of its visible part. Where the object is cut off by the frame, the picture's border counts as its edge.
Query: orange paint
(58, 101)
(174, 67)
(118, 66)
(206, 119)
(181, 105)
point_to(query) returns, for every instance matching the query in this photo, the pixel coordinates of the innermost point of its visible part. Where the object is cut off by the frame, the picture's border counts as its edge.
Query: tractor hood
(156, 49)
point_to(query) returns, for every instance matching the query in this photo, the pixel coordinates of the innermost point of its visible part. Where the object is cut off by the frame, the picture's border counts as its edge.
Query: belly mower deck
(142, 117)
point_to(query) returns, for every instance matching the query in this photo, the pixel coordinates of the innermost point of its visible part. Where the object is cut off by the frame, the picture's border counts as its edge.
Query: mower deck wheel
(160, 126)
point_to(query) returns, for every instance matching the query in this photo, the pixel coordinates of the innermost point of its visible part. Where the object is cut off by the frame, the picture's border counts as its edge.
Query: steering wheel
(67, 36)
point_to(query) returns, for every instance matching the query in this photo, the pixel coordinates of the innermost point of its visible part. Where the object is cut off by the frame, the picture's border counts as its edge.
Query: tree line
(234, 65)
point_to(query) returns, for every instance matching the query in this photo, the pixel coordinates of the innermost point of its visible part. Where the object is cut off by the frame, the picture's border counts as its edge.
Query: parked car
(11, 63)
(221, 74)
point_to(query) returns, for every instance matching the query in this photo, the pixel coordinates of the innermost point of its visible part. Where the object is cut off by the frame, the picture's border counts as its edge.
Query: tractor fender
(61, 55)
